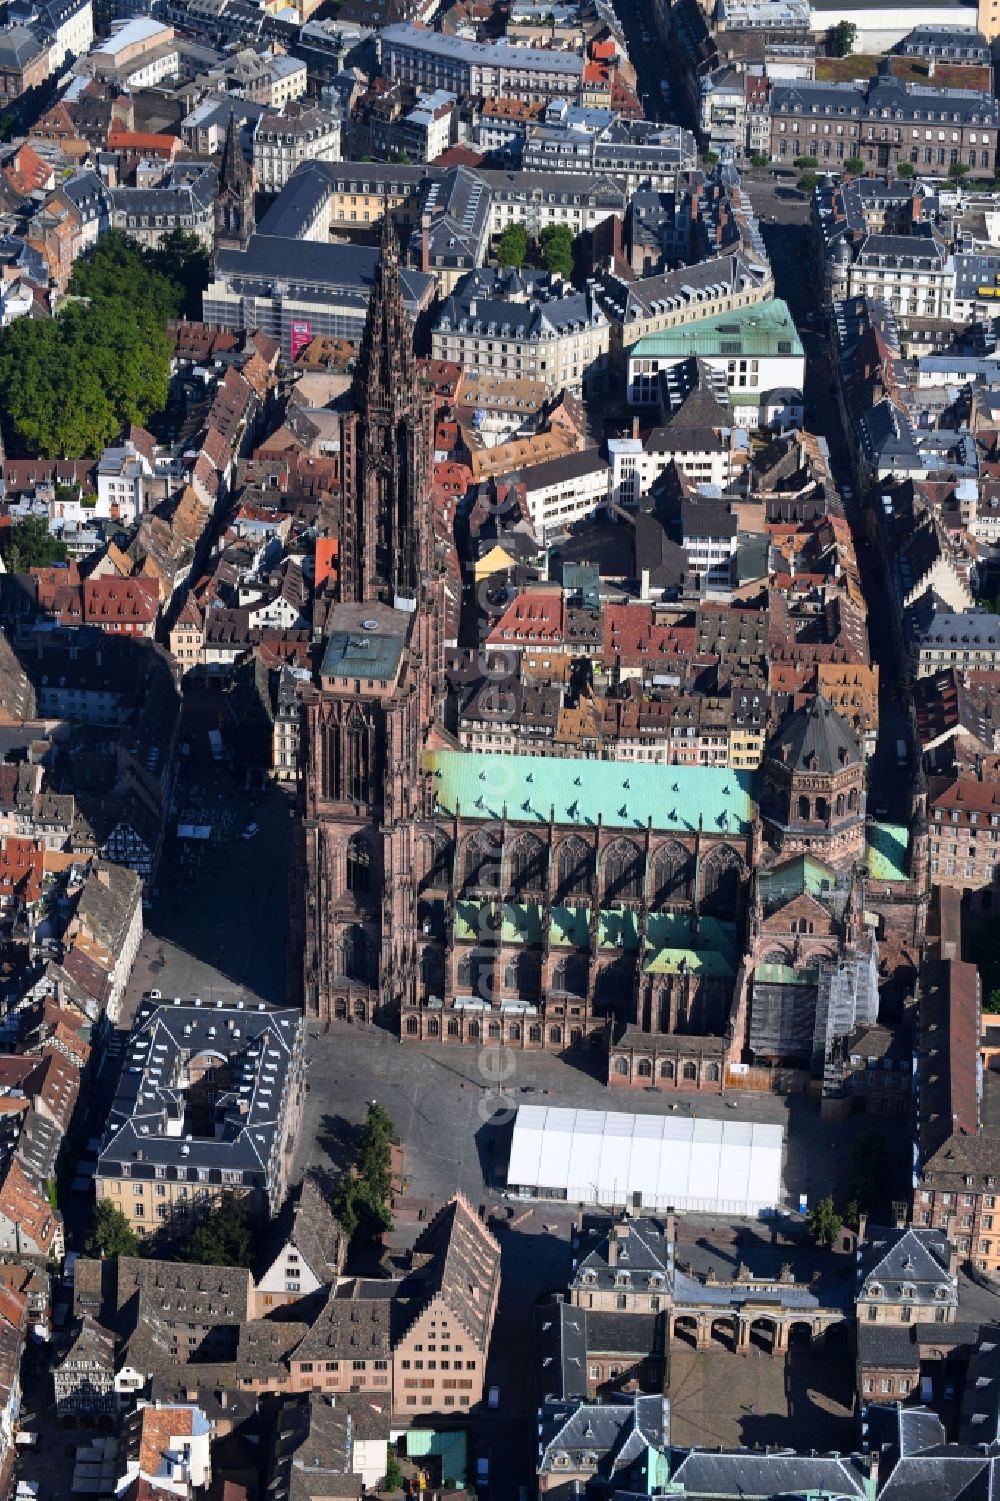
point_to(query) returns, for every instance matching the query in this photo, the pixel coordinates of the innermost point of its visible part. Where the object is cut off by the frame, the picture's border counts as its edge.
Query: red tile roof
(115, 601)
(21, 866)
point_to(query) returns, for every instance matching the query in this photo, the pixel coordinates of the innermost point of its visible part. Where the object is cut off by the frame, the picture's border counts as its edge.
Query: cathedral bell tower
(234, 209)
(387, 446)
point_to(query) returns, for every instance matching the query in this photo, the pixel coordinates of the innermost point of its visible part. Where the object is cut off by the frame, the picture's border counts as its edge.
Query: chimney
(635, 427)
(425, 242)
(670, 1227)
(104, 876)
(613, 1247)
(862, 1227)
(952, 1259)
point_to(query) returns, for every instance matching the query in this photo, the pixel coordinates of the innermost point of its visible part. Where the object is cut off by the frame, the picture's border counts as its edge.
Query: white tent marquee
(646, 1161)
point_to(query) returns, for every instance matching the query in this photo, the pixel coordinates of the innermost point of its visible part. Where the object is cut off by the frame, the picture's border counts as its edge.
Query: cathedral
(536, 902)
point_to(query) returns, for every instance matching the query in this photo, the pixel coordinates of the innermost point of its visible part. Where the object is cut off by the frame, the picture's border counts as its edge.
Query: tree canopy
(111, 1234)
(361, 1198)
(824, 1222)
(842, 38)
(69, 384)
(224, 1237)
(512, 246)
(30, 544)
(556, 241)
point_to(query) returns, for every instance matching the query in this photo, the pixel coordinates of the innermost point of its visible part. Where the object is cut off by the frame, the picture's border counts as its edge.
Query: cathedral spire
(387, 449)
(235, 172)
(234, 207)
(385, 374)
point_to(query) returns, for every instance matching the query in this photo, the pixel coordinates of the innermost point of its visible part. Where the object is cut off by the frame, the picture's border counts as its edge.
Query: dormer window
(873, 1290)
(621, 1279)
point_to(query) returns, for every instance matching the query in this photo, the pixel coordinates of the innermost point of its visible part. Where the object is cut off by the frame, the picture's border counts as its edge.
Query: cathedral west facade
(529, 901)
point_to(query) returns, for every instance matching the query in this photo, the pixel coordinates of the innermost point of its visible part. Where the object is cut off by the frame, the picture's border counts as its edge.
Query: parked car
(493, 1398)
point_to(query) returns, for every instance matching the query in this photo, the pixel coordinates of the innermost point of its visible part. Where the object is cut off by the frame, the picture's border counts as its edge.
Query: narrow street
(785, 220)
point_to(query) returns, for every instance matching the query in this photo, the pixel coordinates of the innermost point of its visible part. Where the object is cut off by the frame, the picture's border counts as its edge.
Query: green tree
(556, 241)
(69, 384)
(361, 1199)
(710, 158)
(393, 1473)
(184, 260)
(512, 247)
(906, 169)
(224, 1237)
(807, 161)
(808, 182)
(30, 544)
(957, 171)
(824, 1222)
(758, 159)
(855, 165)
(111, 1234)
(363, 1215)
(841, 38)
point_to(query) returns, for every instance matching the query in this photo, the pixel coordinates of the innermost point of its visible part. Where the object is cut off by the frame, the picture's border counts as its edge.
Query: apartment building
(564, 490)
(963, 640)
(957, 1168)
(209, 1101)
(697, 438)
(541, 199)
(445, 1311)
(349, 1347)
(653, 304)
(632, 154)
(525, 324)
(884, 122)
(284, 141)
(964, 818)
(434, 60)
(757, 350)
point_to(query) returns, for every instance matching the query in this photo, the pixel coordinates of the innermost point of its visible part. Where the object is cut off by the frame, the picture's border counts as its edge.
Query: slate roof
(915, 1258)
(642, 1248)
(316, 1234)
(888, 1347)
(815, 738)
(605, 1438)
(313, 1452)
(350, 1327)
(259, 1043)
(761, 1475)
(561, 1351)
(463, 1267)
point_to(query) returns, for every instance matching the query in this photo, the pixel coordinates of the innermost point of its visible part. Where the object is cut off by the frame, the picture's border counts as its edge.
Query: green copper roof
(887, 848)
(670, 935)
(792, 877)
(765, 329)
(532, 788)
(695, 961)
(522, 923)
